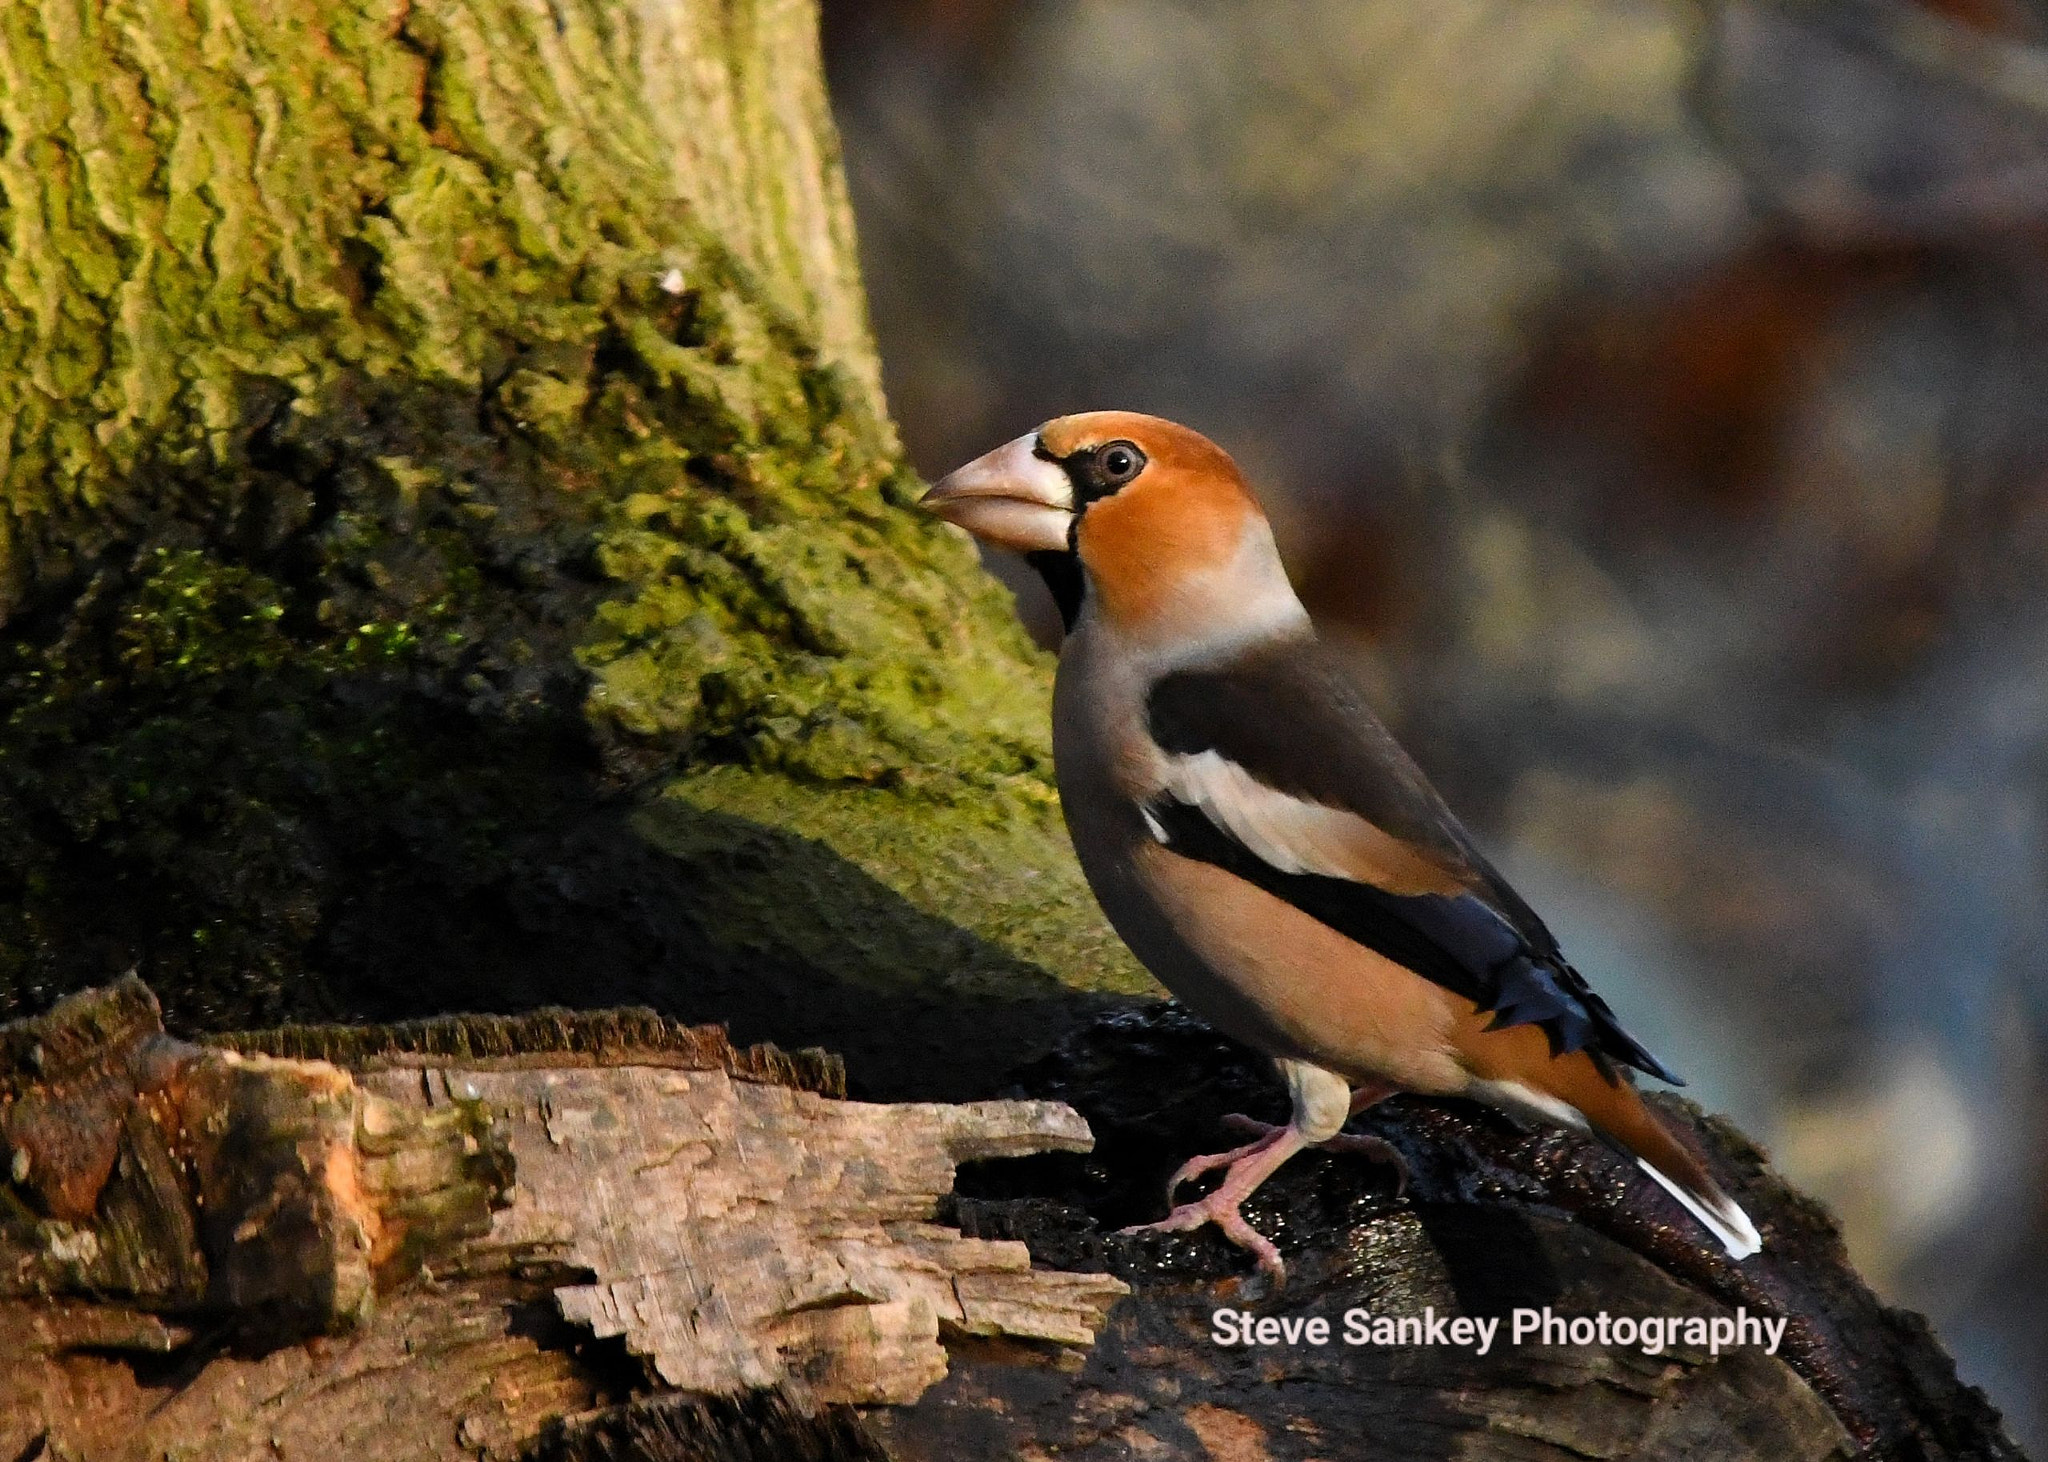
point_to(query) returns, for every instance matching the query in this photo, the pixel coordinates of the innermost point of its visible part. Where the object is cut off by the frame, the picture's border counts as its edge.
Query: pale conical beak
(1012, 497)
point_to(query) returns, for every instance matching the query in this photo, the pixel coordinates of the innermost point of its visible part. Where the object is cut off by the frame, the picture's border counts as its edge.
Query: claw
(1249, 1166)
(1225, 1216)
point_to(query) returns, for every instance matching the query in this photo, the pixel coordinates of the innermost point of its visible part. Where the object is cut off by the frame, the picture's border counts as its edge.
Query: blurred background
(1655, 395)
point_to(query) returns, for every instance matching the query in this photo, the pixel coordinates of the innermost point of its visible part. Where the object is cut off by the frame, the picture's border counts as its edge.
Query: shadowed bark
(1496, 1217)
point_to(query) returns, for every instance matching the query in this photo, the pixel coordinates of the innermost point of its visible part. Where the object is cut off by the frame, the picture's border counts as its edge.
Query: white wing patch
(1295, 835)
(1292, 835)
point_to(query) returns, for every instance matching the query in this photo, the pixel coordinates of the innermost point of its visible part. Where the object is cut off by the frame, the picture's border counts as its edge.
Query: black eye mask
(1099, 471)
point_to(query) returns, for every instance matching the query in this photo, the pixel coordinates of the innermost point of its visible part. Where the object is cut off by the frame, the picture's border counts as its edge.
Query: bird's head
(1146, 518)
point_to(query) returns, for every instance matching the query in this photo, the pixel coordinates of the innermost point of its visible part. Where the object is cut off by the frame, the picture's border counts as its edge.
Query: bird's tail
(1619, 1113)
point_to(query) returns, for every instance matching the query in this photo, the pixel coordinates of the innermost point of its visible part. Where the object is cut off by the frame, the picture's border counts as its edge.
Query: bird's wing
(1280, 773)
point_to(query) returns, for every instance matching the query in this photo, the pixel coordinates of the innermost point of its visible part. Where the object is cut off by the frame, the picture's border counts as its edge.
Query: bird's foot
(1266, 1135)
(1248, 1166)
(1360, 1144)
(1221, 1209)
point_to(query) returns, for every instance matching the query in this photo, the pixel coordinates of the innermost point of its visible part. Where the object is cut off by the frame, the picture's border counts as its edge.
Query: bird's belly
(1265, 973)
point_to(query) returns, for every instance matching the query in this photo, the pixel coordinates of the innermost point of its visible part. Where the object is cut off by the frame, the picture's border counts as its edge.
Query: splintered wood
(743, 1236)
(458, 1206)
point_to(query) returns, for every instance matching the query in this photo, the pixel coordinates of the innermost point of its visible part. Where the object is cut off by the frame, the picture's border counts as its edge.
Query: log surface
(442, 1254)
(1496, 1216)
(742, 1236)
(693, 1227)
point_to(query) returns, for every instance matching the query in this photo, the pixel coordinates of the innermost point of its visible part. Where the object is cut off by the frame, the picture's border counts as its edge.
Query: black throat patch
(1061, 570)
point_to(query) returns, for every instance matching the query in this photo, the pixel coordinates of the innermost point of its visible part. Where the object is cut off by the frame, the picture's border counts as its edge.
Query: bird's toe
(1221, 1209)
(1378, 1149)
(1249, 1126)
(1194, 1167)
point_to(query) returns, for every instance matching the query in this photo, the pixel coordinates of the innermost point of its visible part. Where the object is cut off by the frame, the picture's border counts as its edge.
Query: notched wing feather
(1280, 773)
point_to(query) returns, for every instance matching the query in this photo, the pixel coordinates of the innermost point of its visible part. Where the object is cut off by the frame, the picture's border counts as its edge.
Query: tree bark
(453, 534)
(595, 1235)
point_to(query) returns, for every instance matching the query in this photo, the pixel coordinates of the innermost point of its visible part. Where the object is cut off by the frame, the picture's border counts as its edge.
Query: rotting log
(689, 1215)
(211, 1252)
(742, 1236)
(272, 1195)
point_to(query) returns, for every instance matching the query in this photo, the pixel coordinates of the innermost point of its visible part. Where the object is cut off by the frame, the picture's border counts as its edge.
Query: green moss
(410, 473)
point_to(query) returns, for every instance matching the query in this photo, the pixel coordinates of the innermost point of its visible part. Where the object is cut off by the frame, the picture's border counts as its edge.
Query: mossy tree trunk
(455, 553)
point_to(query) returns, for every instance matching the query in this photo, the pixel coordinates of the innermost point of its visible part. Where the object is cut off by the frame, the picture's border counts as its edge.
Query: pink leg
(1250, 1166)
(1356, 1143)
(1266, 1135)
(1256, 1164)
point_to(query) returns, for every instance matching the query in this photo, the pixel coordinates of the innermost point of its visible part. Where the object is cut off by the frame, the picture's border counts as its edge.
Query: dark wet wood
(1496, 1216)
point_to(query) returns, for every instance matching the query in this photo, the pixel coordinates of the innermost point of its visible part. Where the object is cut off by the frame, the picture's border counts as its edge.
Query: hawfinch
(1260, 841)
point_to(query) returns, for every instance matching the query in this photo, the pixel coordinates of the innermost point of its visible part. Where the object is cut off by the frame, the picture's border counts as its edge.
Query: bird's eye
(1119, 462)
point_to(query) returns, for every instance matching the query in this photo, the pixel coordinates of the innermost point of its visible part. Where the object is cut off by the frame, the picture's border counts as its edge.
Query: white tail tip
(1723, 1218)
